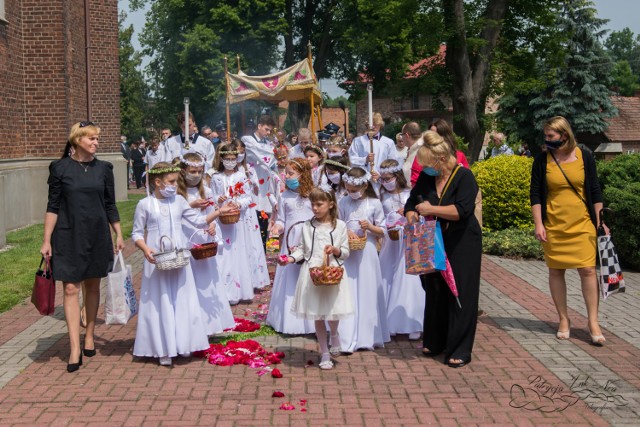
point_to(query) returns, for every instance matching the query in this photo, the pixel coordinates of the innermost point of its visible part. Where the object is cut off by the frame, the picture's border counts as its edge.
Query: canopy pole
(226, 76)
(242, 117)
(320, 127)
(313, 110)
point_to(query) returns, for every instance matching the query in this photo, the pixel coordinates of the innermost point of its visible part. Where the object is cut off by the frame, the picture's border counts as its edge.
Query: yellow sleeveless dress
(571, 236)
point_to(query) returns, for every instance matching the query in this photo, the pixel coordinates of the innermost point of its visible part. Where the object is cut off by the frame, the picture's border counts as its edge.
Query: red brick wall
(12, 111)
(43, 75)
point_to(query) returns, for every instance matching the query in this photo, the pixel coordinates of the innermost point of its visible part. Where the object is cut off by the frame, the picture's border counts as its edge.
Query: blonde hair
(182, 183)
(435, 147)
(78, 132)
(378, 120)
(561, 125)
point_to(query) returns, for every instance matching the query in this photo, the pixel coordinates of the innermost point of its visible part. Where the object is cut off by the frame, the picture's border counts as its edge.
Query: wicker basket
(230, 218)
(171, 259)
(394, 234)
(203, 250)
(326, 275)
(358, 243)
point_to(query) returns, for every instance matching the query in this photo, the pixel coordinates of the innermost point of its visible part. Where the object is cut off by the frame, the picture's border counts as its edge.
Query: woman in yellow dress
(565, 202)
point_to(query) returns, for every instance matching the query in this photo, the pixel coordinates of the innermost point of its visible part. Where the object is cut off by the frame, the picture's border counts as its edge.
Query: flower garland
(390, 169)
(352, 180)
(172, 169)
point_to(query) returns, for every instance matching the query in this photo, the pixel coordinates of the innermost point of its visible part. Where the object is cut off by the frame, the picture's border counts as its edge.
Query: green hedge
(505, 183)
(512, 243)
(620, 179)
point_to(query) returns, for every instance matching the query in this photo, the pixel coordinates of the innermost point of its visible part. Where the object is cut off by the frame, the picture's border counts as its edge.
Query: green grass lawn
(18, 264)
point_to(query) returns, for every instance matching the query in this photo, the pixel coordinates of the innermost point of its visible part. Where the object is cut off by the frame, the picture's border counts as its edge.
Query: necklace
(83, 165)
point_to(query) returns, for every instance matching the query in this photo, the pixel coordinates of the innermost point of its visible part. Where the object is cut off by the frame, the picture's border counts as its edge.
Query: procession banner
(296, 83)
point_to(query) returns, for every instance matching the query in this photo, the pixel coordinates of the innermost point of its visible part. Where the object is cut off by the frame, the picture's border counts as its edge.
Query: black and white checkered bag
(611, 278)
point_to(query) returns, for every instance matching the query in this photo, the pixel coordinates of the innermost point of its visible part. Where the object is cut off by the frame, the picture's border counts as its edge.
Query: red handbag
(43, 295)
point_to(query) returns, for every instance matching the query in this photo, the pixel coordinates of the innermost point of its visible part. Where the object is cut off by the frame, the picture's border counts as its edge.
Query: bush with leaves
(512, 243)
(505, 182)
(620, 180)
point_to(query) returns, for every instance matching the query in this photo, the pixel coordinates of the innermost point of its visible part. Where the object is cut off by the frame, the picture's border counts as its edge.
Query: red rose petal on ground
(303, 410)
(277, 394)
(252, 205)
(287, 407)
(261, 181)
(276, 373)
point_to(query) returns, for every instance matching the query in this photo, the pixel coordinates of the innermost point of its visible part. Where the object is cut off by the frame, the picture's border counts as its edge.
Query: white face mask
(389, 186)
(169, 191)
(192, 179)
(334, 177)
(229, 164)
(333, 155)
(240, 157)
(355, 195)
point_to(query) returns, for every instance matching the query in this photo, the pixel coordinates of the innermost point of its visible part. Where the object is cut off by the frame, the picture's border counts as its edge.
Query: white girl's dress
(257, 258)
(405, 303)
(235, 261)
(368, 328)
(212, 294)
(291, 209)
(318, 176)
(321, 302)
(170, 319)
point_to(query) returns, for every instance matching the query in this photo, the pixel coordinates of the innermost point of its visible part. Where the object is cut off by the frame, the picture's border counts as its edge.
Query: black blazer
(538, 192)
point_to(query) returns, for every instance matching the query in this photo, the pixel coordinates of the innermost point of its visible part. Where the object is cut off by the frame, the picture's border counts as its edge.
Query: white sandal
(164, 361)
(325, 362)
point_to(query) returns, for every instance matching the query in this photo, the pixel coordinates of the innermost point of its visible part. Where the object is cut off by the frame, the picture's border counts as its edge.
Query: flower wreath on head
(198, 164)
(356, 181)
(336, 164)
(390, 169)
(316, 149)
(172, 169)
(224, 153)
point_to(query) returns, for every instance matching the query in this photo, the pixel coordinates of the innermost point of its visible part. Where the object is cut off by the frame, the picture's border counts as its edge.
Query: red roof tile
(625, 127)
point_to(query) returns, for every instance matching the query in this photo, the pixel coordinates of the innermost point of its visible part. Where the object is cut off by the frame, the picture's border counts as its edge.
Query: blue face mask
(431, 171)
(215, 140)
(292, 183)
(553, 145)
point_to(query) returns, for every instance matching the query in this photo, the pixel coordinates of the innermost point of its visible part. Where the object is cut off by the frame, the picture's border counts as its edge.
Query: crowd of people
(332, 204)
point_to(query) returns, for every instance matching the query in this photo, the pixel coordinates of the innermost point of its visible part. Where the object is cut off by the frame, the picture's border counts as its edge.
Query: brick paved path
(520, 374)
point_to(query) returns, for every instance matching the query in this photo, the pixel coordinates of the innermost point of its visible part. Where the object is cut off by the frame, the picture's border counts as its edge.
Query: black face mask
(553, 145)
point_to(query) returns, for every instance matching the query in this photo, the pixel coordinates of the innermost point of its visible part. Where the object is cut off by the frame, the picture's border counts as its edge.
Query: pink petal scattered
(287, 407)
(277, 394)
(303, 409)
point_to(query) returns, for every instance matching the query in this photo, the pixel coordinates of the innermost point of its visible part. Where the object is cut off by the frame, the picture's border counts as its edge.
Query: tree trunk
(470, 75)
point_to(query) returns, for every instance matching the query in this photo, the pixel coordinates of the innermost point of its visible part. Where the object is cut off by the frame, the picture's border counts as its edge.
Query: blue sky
(621, 14)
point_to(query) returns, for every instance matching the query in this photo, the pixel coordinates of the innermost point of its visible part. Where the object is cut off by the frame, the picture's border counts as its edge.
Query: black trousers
(264, 225)
(138, 170)
(447, 327)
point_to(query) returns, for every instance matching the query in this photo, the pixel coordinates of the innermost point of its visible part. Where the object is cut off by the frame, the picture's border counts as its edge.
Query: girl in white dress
(315, 156)
(362, 211)
(256, 259)
(214, 304)
(293, 210)
(324, 235)
(229, 185)
(334, 169)
(169, 321)
(336, 147)
(405, 302)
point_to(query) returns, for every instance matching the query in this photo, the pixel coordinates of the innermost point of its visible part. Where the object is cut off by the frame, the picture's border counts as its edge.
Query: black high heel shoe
(72, 367)
(88, 353)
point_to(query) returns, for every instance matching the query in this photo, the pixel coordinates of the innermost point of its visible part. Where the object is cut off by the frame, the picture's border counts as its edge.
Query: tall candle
(187, 131)
(370, 96)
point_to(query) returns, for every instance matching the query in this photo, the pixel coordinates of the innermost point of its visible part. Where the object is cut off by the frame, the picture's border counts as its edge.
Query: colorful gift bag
(120, 302)
(424, 247)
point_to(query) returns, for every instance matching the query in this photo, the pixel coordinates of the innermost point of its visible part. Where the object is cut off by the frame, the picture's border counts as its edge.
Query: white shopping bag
(121, 304)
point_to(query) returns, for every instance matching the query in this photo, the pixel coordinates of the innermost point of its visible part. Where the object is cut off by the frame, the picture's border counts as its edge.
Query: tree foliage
(578, 89)
(134, 92)
(624, 49)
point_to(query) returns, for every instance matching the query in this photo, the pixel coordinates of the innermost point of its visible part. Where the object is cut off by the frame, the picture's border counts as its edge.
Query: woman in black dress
(447, 327)
(76, 231)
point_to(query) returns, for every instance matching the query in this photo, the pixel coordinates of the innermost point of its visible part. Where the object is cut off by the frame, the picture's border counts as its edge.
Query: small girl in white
(169, 321)
(362, 211)
(315, 156)
(405, 301)
(324, 235)
(335, 168)
(214, 303)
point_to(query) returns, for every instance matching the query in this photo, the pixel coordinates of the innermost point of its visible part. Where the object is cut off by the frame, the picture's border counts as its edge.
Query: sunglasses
(85, 124)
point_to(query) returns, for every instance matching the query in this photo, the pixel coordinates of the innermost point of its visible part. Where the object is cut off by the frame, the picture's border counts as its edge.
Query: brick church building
(58, 66)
